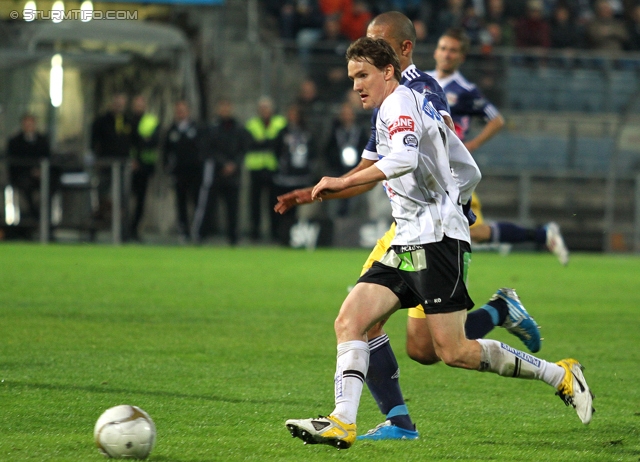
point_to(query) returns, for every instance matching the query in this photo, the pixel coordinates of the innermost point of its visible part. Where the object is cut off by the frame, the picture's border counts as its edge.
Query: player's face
(448, 55)
(368, 81)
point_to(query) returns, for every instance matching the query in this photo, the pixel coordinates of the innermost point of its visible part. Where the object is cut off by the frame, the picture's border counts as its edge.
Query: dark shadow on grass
(164, 394)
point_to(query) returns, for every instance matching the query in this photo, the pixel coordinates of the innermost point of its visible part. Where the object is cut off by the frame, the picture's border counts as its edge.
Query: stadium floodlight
(29, 7)
(57, 11)
(55, 80)
(86, 10)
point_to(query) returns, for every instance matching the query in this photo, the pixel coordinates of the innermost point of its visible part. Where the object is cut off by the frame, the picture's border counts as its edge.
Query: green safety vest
(146, 127)
(263, 160)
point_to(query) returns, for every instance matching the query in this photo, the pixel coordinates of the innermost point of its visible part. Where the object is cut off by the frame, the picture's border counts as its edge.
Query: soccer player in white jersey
(503, 309)
(428, 174)
(466, 101)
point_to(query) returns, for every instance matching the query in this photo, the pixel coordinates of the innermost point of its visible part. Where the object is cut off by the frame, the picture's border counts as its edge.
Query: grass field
(222, 345)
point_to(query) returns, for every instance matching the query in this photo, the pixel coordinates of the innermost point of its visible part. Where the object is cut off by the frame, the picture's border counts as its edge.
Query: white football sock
(501, 359)
(351, 369)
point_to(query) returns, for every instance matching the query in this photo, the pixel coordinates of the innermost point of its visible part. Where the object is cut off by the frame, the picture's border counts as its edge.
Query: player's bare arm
(489, 130)
(303, 196)
(369, 176)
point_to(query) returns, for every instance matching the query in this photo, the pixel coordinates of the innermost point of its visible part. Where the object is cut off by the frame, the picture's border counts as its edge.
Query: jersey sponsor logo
(429, 110)
(410, 140)
(521, 354)
(403, 124)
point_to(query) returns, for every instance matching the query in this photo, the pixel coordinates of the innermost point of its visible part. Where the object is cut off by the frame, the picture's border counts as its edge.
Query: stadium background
(570, 151)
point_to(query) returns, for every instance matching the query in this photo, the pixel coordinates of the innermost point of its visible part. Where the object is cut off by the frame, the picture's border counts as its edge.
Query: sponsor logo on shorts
(410, 248)
(522, 355)
(403, 124)
(410, 140)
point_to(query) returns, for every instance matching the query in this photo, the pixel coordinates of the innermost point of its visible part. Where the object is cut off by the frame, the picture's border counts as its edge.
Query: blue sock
(383, 383)
(482, 321)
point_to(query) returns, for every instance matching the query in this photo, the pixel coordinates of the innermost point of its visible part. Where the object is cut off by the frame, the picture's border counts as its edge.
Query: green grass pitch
(222, 345)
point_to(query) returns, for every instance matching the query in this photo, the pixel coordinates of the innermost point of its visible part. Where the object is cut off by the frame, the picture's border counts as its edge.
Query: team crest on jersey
(410, 140)
(452, 99)
(403, 124)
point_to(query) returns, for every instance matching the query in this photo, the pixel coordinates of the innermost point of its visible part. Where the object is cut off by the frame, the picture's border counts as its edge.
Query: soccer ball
(125, 432)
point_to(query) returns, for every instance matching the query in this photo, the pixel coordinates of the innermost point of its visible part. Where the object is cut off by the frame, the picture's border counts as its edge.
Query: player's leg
(493, 356)
(509, 233)
(366, 304)
(383, 377)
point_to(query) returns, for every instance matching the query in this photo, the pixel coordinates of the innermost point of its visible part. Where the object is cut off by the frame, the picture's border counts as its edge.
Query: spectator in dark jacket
(533, 30)
(182, 149)
(25, 151)
(227, 145)
(296, 153)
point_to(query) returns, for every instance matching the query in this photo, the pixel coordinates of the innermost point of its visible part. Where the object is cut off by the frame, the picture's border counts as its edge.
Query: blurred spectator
(499, 25)
(450, 15)
(183, 155)
(301, 20)
(261, 162)
(307, 98)
(346, 141)
(111, 132)
(564, 30)
(473, 25)
(25, 151)
(227, 139)
(311, 107)
(328, 67)
(296, 154)
(634, 28)
(533, 30)
(110, 140)
(604, 31)
(144, 153)
(355, 18)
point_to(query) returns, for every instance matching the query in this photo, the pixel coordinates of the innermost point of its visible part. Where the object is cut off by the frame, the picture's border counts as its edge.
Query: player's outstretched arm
(353, 184)
(303, 196)
(289, 200)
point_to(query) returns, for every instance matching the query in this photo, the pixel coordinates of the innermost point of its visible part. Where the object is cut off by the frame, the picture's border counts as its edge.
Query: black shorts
(432, 275)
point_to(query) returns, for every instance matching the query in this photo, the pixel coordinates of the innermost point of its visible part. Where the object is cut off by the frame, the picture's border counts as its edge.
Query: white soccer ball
(125, 432)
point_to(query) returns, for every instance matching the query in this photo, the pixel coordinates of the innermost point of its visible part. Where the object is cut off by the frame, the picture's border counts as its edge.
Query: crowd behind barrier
(528, 84)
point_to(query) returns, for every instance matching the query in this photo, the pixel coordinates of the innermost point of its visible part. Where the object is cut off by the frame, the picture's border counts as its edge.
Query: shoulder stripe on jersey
(491, 111)
(412, 74)
(464, 83)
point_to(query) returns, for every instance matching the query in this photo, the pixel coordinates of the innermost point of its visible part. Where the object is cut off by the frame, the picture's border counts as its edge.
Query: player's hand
(291, 199)
(326, 185)
(449, 122)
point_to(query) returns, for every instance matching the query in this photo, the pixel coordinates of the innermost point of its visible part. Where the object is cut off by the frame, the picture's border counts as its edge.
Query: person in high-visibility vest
(261, 162)
(144, 155)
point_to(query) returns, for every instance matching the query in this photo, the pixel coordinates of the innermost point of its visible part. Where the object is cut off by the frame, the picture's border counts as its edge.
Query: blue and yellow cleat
(519, 322)
(323, 430)
(387, 431)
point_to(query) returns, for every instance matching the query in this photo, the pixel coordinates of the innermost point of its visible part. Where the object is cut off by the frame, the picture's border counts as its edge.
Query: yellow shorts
(476, 207)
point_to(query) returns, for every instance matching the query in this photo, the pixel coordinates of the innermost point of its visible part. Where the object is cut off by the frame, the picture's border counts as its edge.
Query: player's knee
(422, 358)
(453, 357)
(421, 354)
